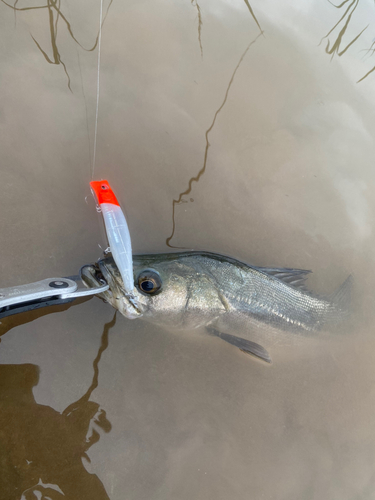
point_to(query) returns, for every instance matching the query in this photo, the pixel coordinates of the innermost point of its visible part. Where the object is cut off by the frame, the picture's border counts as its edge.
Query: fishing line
(97, 88)
(89, 164)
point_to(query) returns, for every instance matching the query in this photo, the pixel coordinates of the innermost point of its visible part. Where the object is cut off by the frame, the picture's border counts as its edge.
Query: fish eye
(149, 282)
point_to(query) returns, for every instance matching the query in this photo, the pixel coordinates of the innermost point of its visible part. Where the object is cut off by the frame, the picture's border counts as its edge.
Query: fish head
(105, 270)
(170, 290)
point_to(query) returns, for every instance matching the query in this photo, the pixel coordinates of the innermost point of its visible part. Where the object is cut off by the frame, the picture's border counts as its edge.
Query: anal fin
(247, 346)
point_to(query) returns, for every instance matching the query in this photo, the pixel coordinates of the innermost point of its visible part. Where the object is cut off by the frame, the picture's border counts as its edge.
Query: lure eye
(149, 282)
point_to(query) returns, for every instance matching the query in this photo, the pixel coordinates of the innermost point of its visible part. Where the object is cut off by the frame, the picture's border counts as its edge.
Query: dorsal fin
(293, 277)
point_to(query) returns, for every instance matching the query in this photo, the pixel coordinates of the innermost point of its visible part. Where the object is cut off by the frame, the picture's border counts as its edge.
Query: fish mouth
(128, 304)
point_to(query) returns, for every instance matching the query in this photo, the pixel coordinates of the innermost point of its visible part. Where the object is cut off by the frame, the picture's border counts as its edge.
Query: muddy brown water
(279, 137)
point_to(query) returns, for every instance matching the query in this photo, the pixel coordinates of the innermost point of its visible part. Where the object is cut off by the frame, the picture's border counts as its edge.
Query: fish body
(196, 289)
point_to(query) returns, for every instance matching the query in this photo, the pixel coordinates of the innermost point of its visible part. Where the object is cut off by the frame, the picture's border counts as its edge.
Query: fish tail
(341, 299)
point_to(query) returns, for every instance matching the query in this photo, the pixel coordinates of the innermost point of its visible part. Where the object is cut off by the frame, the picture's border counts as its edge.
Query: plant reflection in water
(55, 16)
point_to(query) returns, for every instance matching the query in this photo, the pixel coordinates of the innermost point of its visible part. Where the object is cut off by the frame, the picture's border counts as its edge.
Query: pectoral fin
(244, 345)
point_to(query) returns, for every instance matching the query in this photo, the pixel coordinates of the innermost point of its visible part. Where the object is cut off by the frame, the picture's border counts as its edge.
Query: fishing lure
(117, 231)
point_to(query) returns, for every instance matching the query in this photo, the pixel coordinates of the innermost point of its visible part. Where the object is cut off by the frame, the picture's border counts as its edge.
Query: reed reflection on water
(55, 17)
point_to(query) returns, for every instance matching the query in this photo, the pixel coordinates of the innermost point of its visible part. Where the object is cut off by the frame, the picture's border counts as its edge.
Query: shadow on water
(55, 16)
(208, 131)
(339, 30)
(41, 450)
(10, 322)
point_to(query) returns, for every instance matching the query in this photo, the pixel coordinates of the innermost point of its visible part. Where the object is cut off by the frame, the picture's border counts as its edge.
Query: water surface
(224, 126)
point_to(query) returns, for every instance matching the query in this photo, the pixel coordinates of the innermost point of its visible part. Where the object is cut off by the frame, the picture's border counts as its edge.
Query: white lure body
(119, 242)
(117, 232)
